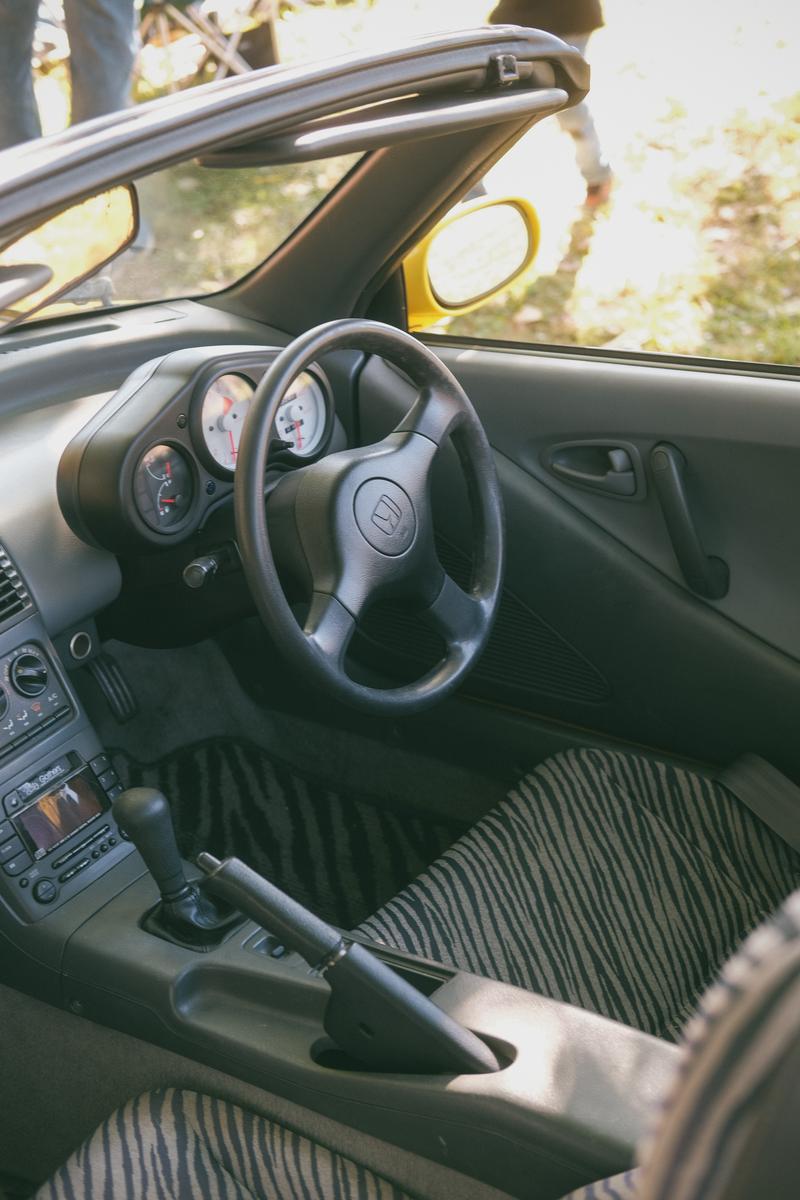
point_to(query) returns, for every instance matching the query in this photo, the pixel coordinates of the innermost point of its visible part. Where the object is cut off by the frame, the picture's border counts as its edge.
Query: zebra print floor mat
(341, 856)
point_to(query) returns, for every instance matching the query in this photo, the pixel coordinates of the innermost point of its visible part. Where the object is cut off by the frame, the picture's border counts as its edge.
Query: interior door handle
(706, 575)
(597, 465)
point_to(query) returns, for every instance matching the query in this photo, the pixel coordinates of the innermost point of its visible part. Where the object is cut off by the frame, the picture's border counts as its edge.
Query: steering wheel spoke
(455, 614)
(434, 415)
(329, 627)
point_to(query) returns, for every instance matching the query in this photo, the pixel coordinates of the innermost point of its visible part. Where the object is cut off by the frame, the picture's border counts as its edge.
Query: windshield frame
(39, 315)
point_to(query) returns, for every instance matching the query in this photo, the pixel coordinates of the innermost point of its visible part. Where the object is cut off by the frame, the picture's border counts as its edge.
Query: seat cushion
(611, 881)
(178, 1145)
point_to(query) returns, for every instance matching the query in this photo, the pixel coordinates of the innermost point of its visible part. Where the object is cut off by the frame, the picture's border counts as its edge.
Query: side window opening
(695, 248)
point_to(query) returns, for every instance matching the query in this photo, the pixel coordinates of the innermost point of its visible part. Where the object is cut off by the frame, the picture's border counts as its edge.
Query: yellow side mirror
(53, 257)
(473, 253)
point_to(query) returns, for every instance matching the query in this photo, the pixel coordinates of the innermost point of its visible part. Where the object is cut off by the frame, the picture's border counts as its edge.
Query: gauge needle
(168, 499)
(234, 451)
(168, 467)
(299, 433)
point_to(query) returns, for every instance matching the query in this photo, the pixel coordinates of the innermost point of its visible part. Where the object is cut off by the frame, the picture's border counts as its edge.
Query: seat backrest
(729, 1128)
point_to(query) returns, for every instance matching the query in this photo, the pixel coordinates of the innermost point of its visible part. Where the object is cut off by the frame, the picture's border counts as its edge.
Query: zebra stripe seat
(611, 881)
(726, 1131)
(179, 1145)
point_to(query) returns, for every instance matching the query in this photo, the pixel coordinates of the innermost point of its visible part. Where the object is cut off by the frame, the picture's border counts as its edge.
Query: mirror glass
(476, 253)
(64, 250)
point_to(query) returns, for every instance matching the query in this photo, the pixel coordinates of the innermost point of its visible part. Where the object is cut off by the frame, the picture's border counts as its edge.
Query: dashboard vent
(14, 598)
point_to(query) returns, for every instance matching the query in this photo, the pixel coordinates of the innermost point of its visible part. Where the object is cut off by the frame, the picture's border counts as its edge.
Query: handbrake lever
(373, 1014)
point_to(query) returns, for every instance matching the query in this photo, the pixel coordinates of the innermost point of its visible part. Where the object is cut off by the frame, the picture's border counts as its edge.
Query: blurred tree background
(697, 251)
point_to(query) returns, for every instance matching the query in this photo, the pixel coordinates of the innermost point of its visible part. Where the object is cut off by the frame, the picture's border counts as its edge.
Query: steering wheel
(357, 526)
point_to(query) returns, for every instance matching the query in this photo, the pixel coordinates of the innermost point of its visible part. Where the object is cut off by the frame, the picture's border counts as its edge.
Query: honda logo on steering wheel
(386, 515)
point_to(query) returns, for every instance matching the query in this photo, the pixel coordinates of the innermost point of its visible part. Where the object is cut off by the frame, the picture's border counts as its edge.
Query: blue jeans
(102, 46)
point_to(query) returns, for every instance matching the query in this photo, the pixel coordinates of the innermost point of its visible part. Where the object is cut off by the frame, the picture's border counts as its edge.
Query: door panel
(703, 678)
(739, 435)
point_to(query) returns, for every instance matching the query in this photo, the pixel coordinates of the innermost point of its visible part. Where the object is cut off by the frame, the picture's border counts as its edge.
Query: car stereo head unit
(57, 814)
(58, 834)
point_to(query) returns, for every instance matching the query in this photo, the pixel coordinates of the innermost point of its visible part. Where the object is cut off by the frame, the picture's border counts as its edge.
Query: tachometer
(301, 422)
(163, 487)
(225, 408)
(303, 416)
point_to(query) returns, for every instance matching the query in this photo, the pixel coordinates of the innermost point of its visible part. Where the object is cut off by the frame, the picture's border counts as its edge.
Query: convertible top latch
(503, 68)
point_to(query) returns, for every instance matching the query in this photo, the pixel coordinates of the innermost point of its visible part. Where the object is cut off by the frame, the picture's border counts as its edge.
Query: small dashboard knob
(199, 571)
(29, 674)
(3, 702)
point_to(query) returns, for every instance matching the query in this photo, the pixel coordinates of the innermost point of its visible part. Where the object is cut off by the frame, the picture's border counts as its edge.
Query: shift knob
(144, 815)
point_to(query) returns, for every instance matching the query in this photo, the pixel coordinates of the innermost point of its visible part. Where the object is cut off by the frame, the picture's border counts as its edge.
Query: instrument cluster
(162, 454)
(300, 423)
(164, 488)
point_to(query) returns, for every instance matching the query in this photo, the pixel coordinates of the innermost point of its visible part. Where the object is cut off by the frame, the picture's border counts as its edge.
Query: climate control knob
(29, 674)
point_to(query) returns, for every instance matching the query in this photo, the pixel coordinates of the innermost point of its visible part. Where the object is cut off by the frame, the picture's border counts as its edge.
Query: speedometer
(301, 422)
(303, 416)
(225, 408)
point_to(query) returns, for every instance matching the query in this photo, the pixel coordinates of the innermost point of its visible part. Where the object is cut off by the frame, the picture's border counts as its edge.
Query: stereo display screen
(60, 812)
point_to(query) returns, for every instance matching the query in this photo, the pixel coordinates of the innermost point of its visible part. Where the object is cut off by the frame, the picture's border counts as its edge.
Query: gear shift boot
(186, 913)
(192, 919)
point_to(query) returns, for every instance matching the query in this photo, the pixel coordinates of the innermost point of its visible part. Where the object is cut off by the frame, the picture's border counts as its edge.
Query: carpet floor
(343, 856)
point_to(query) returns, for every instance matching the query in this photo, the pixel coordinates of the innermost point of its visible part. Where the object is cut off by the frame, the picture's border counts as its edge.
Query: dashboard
(98, 478)
(160, 456)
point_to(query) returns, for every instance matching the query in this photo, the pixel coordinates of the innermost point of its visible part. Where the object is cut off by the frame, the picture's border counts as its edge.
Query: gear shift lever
(143, 813)
(186, 913)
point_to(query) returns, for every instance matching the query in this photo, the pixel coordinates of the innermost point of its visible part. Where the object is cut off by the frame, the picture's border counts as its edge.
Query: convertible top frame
(431, 117)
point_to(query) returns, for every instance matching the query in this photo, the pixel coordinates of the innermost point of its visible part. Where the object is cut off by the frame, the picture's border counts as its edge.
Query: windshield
(203, 228)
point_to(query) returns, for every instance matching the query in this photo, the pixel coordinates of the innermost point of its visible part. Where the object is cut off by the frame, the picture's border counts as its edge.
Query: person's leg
(102, 46)
(578, 122)
(19, 116)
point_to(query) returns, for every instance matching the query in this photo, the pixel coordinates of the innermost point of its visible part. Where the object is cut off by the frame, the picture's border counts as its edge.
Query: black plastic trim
(639, 358)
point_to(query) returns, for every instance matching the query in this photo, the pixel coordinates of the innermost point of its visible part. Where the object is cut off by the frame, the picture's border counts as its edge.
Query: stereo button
(6, 831)
(12, 802)
(10, 849)
(15, 866)
(45, 891)
(73, 871)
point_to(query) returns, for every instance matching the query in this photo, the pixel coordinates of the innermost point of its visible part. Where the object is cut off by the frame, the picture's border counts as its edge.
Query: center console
(77, 930)
(56, 782)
